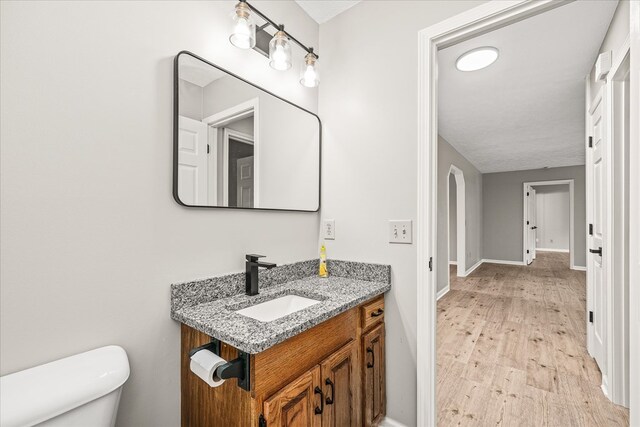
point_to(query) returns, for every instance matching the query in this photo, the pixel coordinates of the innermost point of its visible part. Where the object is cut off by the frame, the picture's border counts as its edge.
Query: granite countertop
(217, 317)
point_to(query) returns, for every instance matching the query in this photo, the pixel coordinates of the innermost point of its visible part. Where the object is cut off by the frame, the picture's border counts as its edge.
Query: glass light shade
(477, 59)
(309, 76)
(280, 52)
(243, 31)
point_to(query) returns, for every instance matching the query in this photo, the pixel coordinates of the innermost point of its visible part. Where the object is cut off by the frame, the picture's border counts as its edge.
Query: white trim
(579, 268)
(503, 261)
(617, 278)
(389, 422)
(231, 114)
(461, 238)
(472, 268)
(473, 22)
(634, 218)
(564, 251)
(453, 263)
(442, 292)
(569, 182)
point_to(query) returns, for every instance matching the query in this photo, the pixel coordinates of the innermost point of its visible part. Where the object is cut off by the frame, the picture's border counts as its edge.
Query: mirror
(239, 146)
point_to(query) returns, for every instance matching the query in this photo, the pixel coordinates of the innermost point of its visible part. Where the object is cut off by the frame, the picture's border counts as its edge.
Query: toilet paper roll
(204, 364)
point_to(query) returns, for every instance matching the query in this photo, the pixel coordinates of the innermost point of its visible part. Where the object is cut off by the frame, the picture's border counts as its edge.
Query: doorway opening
(548, 219)
(456, 221)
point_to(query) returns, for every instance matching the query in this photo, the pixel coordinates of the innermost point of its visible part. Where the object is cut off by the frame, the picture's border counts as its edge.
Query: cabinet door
(374, 376)
(340, 383)
(298, 404)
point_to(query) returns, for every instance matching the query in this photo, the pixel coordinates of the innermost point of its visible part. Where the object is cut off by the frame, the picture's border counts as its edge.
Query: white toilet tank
(81, 390)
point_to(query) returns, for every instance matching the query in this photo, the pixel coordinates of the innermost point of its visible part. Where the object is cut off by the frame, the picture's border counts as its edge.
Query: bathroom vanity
(323, 365)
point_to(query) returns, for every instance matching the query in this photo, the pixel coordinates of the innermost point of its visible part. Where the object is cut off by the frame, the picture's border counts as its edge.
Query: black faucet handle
(253, 257)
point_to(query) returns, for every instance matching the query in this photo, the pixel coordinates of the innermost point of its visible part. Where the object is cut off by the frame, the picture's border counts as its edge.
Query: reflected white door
(245, 182)
(595, 262)
(192, 161)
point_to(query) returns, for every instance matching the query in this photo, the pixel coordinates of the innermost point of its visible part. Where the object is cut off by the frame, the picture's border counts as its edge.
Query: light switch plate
(329, 229)
(400, 231)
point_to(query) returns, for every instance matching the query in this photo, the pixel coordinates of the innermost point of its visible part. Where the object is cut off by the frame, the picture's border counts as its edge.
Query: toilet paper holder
(239, 367)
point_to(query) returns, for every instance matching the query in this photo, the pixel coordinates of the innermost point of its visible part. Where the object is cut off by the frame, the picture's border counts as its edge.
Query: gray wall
(503, 205)
(447, 156)
(369, 168)
(91, 235)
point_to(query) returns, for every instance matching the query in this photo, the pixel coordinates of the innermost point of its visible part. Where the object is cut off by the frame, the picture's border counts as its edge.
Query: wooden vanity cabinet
(318, 378)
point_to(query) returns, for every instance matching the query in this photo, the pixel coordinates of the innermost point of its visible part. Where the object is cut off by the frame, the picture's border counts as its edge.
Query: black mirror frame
(175, 138)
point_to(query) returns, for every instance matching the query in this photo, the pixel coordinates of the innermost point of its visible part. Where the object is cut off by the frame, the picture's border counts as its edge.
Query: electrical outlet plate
(400, 231)
(329, 229)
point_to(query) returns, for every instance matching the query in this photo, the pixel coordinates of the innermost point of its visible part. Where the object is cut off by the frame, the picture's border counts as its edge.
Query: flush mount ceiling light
(477, 59)
(243, 36)
(243, 32)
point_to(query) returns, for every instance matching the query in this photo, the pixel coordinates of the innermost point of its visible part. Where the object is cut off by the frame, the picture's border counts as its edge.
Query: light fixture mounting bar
(278, 27)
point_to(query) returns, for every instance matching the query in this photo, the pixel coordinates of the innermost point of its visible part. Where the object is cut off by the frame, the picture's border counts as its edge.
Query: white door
(192, 161)
(529, 225)
(533, 226)
(245, 182)
(597, 219)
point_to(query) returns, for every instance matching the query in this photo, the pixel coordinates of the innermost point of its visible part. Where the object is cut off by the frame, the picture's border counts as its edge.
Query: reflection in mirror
(239, 146)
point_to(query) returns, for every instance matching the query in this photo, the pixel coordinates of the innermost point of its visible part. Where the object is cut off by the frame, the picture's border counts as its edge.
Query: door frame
(617, 313)
(231, 114)
(634, 217)
(473, 22)
(525, 205)
(461, 240)
(244, 138)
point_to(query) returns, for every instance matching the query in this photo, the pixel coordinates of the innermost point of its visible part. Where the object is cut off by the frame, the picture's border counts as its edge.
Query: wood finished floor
(511, 349)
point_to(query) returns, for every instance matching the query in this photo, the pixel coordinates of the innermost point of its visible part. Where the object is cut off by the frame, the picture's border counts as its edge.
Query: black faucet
(252, 266)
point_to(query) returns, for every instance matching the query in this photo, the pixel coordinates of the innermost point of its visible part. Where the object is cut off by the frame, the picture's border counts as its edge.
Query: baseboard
(389, 422)
(442, 292)
(500, 261)
(473, 267)
(453, 262)
(566, 251)
(579, 268)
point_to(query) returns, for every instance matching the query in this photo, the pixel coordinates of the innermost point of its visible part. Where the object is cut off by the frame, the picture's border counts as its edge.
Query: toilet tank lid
(43, 392)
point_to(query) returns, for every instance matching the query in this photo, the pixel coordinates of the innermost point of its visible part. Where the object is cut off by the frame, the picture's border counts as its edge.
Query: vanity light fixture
(477, 59)
(280, 51)
(309, 76)
(243, 35)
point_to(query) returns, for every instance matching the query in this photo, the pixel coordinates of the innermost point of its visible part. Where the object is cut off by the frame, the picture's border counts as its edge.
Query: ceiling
(323, 10)
(197, 72)
(526, 110)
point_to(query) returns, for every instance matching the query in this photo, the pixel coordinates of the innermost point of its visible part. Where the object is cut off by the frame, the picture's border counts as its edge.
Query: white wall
(368, 106)
(553, 217)
(91, 235)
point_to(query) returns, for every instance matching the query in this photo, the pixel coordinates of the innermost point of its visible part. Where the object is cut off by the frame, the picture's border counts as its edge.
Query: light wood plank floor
(511, 349)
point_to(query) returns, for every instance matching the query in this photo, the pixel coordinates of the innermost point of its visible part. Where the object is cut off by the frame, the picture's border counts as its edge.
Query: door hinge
(527, 194)
(261, 421)
(590, 142)
(527, 222)
(591, 317)
(430, 263)
(208, 149)
(527, 250)
(590, 229)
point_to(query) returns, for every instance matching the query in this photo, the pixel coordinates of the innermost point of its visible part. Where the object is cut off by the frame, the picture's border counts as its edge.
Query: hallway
(511, 349)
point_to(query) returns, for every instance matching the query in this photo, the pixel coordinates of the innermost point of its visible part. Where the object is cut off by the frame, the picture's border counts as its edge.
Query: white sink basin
(277, 308)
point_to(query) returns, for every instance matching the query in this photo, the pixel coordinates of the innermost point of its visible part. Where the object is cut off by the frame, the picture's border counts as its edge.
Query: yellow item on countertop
(323, 272)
